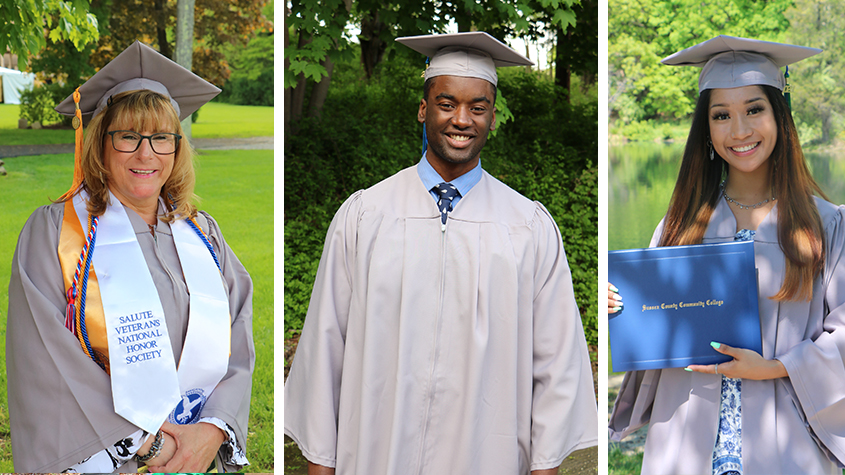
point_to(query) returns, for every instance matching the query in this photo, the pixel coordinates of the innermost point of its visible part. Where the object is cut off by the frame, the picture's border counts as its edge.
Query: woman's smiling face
(136, 178)
(742, 127)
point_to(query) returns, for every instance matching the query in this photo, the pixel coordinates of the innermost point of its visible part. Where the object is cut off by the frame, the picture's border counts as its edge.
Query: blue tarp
(13, 83)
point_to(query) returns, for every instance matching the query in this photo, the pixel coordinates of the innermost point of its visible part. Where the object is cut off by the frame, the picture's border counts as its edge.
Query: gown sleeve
(564, 415)
(60, 406)
(816, 366)
(312, 390)
(230, 400)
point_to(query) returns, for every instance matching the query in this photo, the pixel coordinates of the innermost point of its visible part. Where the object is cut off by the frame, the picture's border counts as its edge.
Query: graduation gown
(793, 425)
(427, 351)
(60, 402)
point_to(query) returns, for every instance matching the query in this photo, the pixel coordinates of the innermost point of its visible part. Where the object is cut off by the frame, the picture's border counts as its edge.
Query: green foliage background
(650, 101)
(368, 131)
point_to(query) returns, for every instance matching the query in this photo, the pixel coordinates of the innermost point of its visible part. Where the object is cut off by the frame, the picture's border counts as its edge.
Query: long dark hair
(697, 192)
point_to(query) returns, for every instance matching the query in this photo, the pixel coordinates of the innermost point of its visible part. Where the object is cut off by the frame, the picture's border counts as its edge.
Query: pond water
(641, 178)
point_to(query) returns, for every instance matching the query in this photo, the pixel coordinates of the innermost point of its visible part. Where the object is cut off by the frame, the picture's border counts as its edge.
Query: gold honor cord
(71, 242)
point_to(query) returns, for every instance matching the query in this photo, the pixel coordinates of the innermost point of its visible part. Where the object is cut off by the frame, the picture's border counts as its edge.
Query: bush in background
(37, 106)
(251, 82)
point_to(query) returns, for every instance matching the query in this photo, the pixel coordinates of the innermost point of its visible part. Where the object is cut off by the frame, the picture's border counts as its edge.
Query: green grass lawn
(236, 187)
(216, 120)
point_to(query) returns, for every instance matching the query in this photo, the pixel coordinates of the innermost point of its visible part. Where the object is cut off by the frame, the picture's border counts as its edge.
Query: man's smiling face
(458, 113)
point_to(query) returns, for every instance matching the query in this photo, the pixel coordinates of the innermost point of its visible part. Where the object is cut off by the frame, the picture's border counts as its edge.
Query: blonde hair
(138, 110)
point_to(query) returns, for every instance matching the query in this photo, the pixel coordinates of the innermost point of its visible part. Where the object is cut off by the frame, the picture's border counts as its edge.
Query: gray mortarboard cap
(141, 67)
(473, 54)
(730, 61)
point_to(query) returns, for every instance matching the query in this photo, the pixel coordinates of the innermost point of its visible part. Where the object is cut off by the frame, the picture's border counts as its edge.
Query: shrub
(251, 82)
(37, 105)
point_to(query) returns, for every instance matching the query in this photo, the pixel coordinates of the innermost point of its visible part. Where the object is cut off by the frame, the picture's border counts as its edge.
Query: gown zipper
(431, 389)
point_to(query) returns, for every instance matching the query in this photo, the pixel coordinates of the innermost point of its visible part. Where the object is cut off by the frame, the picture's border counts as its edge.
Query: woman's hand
(167, 449)
(746, 364)
(195, 447)
(614, 301)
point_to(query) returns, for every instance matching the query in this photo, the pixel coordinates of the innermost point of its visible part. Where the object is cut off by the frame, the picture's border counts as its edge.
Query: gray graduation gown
(431, 352)
(60, 402)
(793, 425)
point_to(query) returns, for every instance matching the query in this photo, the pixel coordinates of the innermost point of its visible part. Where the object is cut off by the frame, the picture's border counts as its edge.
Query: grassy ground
(620, 464)
(216, 120)
(236, 187)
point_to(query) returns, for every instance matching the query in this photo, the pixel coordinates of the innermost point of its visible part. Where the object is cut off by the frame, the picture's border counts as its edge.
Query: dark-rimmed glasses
(162, 143)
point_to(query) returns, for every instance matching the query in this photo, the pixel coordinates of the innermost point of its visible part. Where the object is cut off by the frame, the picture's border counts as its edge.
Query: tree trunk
(372, 46)
(463, 17)
(185, 45)
(298, 93)
(161, 29)
(320, 90)
(562, 72)
(287, 98)
(827, 125)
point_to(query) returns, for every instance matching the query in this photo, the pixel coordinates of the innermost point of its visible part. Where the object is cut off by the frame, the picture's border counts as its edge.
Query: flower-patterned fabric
(727, 455)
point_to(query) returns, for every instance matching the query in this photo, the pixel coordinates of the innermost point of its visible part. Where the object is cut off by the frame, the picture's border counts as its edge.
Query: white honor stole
(139, 343)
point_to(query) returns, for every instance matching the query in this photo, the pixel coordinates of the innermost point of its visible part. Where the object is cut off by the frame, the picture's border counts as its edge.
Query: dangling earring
(710, 146)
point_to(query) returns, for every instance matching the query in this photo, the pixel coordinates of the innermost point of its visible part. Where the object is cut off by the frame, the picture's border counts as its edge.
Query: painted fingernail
(616, 309)
(687, 369)
(617, 297)
(613, 288)
(715, 345)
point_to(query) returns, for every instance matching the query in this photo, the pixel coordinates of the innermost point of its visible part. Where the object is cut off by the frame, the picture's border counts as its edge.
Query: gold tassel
(77, 152)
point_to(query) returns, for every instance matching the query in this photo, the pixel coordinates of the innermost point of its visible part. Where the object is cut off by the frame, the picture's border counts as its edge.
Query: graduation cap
(729, 62)
(141, 67)
(138, 67)
(473, 54)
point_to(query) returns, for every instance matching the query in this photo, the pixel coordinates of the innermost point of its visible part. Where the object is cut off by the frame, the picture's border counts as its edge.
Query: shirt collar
(463, 183)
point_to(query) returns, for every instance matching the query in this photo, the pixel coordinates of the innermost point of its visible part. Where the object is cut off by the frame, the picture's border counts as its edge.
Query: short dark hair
(430, 82)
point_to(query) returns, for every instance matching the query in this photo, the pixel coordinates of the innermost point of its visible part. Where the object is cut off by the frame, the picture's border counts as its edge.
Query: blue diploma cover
(678, 299)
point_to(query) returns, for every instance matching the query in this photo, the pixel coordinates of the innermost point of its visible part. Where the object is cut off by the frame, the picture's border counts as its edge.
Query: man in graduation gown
(442, 334)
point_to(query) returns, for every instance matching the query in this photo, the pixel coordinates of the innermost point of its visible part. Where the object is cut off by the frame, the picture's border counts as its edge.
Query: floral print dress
(727, 455)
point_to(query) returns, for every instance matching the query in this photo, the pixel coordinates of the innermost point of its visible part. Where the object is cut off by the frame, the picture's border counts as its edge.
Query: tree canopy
(818, 94)
(23, 24)
(219, 25)
(317, 36)
(642, 32)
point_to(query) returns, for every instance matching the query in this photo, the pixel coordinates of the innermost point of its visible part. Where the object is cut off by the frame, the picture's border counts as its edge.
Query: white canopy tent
(14, 82)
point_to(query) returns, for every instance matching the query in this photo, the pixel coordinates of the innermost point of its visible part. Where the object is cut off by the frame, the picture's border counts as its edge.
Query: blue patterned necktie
(447, 192)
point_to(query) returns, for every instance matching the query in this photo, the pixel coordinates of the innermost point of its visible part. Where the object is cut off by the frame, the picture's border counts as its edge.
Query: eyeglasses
(128, 141)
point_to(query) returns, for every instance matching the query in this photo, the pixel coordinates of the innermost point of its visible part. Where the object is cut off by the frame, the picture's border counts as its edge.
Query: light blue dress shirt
(463, 183)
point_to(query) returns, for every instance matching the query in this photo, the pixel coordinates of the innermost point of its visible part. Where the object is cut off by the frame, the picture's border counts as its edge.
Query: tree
(642, 32)
(818, 83)
(185, 44)
(576, 48)
(314, 34)
(23, 24)
(218, 25)
(318, 28)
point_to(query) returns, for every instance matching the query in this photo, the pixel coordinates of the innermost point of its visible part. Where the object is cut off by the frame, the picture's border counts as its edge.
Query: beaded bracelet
(155, 448)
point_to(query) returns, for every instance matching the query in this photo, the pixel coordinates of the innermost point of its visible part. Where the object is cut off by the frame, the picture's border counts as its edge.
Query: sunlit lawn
(216, 120)
(236, 187)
